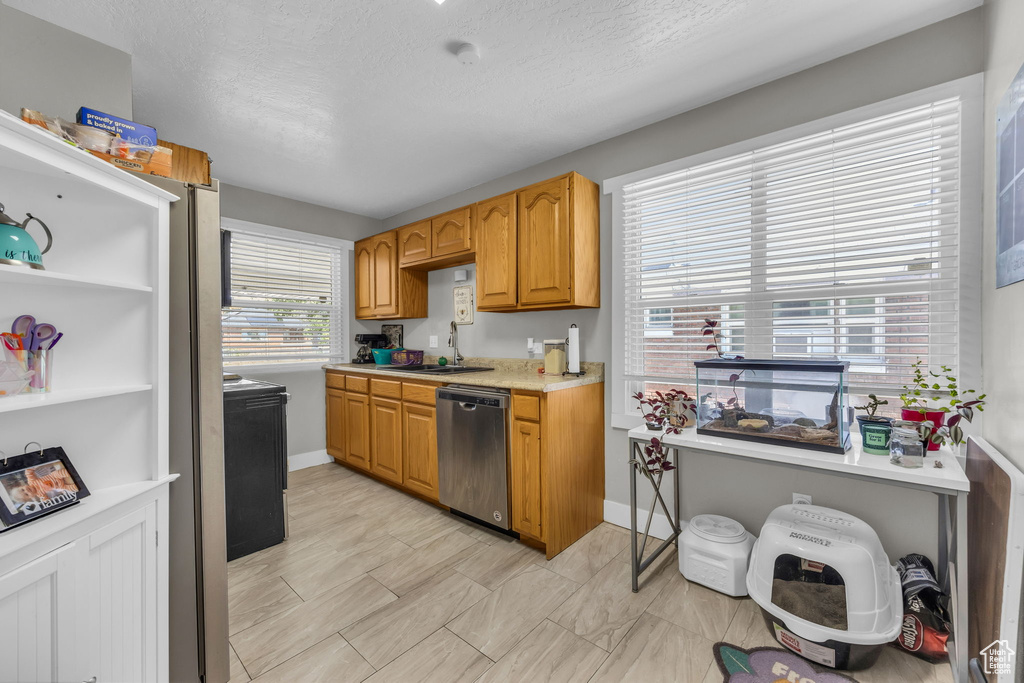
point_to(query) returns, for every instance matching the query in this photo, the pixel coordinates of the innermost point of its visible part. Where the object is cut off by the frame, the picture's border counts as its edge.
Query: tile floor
(376, 586)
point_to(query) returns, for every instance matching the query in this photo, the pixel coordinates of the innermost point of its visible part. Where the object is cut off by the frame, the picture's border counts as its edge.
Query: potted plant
(670, 410)
(874, 429)
(931, 395)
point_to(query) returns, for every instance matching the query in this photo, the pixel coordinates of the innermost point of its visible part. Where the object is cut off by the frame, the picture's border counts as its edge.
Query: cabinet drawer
(419, 393)
(526, 407)
(388, 388)
(335, 380)
(357, 384)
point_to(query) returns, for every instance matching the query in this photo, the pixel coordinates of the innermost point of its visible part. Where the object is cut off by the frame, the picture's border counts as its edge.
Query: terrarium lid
(779, 364)
(718, 529)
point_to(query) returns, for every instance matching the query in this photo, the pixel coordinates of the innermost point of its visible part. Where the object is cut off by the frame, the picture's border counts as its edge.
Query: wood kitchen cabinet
(559, 244)
(419, 438)
(525, 485)
(383, 289)
(414, 243)
(451, 233)
(388, 428)
(357, 430)
(497, 275)
(386, 437)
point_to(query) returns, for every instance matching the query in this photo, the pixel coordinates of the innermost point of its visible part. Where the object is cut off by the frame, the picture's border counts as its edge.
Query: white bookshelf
(105, 288)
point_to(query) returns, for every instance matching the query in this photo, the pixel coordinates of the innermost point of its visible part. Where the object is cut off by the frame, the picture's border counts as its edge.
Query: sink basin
(428, 369)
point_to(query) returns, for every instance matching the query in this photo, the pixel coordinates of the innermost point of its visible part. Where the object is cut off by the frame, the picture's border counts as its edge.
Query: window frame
(970, 90)
(346, 246)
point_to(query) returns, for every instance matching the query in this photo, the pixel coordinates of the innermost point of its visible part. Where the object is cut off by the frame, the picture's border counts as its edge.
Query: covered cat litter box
(714, 552)
(825, 586)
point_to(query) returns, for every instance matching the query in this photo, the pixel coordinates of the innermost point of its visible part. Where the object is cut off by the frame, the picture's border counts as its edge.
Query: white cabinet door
(120, 602)
(37, 613)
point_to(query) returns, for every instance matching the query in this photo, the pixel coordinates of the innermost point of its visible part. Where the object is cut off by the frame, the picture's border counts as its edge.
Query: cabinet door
(419, 434)
(526, 479)
(386, 429)
(39, 614)
(545, 244)
(414, 243)
(450, 232)
(364, 278)
(496, 261)
(336, 423)
(121, 601)
(357, 430)
(385, 275)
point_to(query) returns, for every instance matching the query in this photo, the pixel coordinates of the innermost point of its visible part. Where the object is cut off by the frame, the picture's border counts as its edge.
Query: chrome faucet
(453, 342)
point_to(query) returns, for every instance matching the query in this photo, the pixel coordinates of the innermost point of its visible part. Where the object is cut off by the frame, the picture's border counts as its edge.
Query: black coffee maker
(367, 343)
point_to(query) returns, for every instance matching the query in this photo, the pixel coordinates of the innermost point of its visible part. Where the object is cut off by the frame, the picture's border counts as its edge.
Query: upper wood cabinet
(559, 244)
(414, 243)
(383, 289)
(496, 262)
(537, 248)
(451, 233)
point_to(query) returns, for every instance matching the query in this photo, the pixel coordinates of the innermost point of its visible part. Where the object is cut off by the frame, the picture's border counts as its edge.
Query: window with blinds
(839, 244)
(287, 300)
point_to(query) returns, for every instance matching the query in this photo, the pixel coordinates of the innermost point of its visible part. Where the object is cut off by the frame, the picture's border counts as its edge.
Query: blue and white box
(135, 133)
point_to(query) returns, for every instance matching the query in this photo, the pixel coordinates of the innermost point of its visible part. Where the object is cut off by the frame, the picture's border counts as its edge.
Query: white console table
(949, 483)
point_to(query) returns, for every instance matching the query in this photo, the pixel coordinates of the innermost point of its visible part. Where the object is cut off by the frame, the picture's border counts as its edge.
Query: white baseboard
(301, 461)
(618, 514)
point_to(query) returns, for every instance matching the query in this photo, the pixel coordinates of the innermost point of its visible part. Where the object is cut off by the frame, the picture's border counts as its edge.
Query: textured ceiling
(362, 106)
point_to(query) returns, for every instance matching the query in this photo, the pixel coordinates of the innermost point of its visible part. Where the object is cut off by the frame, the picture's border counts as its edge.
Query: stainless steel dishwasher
(472, 452)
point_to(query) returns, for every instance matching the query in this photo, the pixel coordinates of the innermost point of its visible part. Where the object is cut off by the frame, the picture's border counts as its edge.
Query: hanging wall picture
(464, 305)
(36, 484)
(1010, 184)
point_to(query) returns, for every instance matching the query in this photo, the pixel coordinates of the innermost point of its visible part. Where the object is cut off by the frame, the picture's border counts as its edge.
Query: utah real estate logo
(998, 658)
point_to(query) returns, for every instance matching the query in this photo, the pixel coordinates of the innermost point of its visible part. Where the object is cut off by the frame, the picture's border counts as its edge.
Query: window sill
(270, 368)
(627, 422)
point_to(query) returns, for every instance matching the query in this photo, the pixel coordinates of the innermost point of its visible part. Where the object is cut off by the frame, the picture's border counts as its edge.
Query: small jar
(906, 448)
(555, 356)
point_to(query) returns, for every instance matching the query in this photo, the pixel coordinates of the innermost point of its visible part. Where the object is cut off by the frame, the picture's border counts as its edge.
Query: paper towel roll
(574, 349)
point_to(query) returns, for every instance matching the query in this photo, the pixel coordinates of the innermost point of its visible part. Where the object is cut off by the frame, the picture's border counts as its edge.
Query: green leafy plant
(658, 407)
(871, 407)
(940, 392)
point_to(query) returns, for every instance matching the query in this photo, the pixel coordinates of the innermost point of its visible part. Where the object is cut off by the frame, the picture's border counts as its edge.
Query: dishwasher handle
(467, 406)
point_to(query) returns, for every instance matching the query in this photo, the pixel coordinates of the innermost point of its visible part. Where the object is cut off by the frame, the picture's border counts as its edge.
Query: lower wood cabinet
(419, 435)
(386, 438)
(526, 478)
(336, 423)
(357, 430)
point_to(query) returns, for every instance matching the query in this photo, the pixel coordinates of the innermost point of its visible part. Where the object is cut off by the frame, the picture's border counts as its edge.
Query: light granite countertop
(508, 373)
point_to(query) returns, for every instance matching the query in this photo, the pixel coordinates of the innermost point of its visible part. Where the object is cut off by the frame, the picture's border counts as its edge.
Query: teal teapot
(17, 248)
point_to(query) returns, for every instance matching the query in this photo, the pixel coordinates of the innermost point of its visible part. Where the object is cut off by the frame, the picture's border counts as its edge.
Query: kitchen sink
(428, 369)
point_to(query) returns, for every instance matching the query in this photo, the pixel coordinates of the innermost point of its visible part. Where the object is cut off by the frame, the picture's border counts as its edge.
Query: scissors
(33, 334)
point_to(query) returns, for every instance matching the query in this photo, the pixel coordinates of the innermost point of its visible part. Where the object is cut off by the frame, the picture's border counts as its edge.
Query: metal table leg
(638, 462)
(963, 654)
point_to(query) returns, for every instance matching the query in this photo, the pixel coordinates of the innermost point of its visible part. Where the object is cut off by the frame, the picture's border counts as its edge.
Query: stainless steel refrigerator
(198, 556)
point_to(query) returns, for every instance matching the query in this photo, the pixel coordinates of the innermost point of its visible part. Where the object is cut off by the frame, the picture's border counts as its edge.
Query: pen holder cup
(41, 364)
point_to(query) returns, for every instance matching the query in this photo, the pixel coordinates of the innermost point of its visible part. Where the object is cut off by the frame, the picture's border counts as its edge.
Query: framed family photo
(36, 484)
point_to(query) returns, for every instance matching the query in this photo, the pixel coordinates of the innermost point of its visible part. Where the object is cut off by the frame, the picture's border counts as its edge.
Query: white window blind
(288, 300)
(839, 244)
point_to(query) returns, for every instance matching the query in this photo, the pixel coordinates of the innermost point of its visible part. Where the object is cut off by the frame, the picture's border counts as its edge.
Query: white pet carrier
(825, 586)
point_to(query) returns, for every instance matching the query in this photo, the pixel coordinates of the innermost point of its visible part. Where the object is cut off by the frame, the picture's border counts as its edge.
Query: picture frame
(36, 484)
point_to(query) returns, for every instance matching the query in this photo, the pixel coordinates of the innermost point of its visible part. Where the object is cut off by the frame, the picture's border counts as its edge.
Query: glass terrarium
(785, 402)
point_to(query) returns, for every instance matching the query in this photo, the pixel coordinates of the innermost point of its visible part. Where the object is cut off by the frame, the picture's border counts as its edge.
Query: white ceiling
(362, 106)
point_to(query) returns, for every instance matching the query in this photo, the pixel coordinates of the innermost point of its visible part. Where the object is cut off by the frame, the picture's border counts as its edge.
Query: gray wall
(55, 71)
(936, 54)
(306, 426)
(1002, 309)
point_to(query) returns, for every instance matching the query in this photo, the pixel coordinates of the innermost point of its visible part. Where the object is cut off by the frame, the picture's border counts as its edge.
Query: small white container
(714, 551)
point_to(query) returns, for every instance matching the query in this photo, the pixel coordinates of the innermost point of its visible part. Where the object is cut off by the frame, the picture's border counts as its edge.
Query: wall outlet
(801, 499)
(433, 341)
(538, 347)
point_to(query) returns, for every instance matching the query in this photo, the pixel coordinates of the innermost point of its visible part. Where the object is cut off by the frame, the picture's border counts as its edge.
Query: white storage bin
(714, 551)
(825, 586)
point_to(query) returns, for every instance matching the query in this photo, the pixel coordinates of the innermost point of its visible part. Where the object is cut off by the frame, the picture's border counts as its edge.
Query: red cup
(936, 417)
